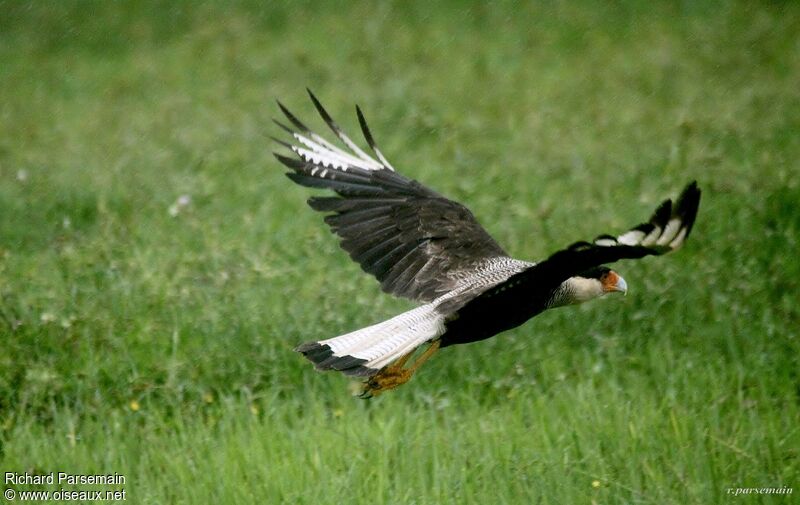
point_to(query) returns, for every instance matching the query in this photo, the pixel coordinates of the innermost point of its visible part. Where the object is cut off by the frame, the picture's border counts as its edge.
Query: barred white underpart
(382, 343)
(400, 335)
(379, 340)
(488, 272)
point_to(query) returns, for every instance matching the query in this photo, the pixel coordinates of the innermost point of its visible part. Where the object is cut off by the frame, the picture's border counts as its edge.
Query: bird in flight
(425, 247)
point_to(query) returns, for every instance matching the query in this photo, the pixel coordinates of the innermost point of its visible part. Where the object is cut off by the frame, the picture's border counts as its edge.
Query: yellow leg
(425, 355)
(395, 375)
(399, 363)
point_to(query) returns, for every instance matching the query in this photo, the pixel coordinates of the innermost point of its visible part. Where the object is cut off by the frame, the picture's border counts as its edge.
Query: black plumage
(529, 292)
(423, 246)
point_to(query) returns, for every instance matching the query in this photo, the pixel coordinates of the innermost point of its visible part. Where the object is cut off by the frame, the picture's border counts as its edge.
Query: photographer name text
(63, 478)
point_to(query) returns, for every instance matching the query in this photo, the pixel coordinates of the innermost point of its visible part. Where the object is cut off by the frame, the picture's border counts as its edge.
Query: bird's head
(588, 285)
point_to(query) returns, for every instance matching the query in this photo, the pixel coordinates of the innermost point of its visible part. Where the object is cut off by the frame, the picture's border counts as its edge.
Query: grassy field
(156, 267)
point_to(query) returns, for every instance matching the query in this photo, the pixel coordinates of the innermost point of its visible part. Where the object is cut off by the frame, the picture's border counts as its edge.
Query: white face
(580, 289)
(584, 289)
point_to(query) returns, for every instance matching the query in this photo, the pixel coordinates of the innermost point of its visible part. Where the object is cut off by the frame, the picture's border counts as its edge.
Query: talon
(395, 375)
(388, 378)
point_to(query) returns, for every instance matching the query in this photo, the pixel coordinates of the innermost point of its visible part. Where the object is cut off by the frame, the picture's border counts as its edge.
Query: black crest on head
(594, 272)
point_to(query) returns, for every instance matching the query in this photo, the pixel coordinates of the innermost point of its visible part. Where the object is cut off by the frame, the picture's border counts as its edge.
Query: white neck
(576, 290)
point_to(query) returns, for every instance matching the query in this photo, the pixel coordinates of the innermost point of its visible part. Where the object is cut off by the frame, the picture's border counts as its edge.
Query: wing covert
(417, 243)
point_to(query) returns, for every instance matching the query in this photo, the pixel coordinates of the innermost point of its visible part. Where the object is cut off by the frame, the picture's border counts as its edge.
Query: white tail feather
(382, 343)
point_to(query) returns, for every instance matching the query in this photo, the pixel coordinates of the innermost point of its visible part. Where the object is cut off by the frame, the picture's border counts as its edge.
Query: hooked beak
(615, 282)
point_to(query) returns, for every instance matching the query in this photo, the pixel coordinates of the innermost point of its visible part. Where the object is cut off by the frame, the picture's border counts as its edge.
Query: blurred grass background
(152, 337)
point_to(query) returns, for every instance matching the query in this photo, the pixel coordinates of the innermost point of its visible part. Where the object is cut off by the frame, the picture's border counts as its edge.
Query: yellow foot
(395, 375)
(388, 378)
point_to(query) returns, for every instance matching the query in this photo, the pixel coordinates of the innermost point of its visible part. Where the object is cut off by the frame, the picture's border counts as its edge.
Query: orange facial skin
(610, 281)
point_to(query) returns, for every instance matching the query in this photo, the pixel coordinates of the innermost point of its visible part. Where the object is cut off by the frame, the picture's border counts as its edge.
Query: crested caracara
(423, 246)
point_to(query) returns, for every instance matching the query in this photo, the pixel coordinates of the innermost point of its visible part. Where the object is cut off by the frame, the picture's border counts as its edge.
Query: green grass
(159, 346)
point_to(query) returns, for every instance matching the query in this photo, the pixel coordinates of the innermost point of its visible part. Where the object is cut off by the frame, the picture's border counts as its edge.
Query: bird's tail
(364, 352)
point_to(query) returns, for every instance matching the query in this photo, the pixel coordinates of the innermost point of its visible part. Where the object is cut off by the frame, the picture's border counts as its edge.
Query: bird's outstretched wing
(417, 243)
(665, 231)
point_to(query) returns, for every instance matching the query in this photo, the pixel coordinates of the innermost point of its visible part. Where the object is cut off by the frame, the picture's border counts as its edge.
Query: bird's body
(422, 246)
